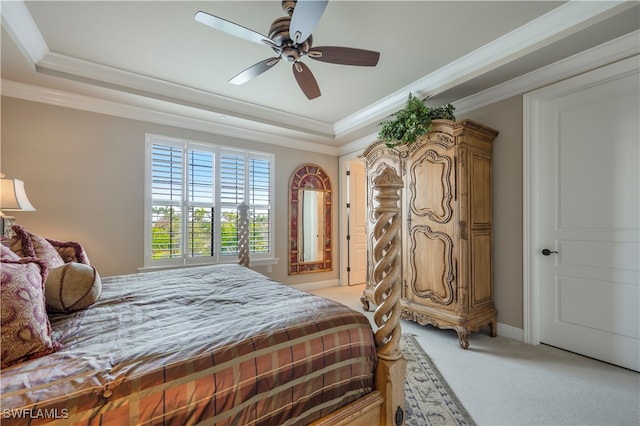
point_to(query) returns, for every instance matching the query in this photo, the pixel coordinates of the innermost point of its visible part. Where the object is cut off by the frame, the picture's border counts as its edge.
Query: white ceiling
(154, 55)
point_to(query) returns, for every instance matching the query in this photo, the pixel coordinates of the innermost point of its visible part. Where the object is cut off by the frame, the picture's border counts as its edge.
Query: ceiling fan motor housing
(279, 32)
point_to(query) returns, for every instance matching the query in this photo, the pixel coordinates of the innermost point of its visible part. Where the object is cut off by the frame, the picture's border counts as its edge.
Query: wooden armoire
(447, 276)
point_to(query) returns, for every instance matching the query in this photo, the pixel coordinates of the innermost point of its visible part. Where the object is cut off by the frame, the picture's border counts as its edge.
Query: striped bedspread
(219, 345)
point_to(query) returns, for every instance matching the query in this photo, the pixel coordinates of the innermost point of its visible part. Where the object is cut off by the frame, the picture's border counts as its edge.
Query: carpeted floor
(505, 382)
(428, 398)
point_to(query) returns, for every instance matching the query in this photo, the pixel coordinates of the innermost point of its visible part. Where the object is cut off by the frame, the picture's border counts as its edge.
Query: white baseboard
(511, 332)
(316, 285)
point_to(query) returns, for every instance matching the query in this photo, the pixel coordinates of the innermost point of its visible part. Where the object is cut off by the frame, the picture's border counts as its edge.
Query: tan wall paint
(84, 173)
(506, 174)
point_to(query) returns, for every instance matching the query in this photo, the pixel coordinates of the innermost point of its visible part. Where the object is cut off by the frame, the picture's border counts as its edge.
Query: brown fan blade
(233, 29)
(254, 71)
(306, 80)
(345, 56)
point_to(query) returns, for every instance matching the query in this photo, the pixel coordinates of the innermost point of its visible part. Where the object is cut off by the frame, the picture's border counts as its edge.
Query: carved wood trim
(387, 270)
(372, 176)
(243, 234)
(387, 251)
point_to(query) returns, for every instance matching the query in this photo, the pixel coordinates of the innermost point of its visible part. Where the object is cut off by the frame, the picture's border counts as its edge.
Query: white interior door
(587, 209)
(357, 218)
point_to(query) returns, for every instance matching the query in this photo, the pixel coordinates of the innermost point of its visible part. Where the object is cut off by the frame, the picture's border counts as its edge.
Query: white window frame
(184, 260)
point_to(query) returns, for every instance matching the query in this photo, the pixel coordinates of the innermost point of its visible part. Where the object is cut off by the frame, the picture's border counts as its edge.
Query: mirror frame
(313, 177)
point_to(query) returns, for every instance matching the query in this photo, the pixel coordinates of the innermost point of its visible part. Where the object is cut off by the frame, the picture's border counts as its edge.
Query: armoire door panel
(430, 186)
(481, 291)
(431, 261)
(480, 190)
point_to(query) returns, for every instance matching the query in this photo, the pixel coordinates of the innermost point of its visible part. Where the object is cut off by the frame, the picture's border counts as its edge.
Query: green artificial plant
(412, 121)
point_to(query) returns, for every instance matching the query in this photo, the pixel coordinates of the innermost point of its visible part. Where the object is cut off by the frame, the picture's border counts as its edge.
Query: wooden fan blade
(254, 71)
(233, 29)
(306, 15)
(345, 56)
(306, 80)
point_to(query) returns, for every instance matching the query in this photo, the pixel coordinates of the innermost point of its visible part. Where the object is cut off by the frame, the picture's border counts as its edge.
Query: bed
(217, 344)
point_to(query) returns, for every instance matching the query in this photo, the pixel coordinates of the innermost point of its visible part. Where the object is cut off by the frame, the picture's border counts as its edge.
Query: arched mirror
(309, 220)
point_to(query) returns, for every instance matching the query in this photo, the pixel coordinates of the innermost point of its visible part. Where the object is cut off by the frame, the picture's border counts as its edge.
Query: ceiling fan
(290, 38)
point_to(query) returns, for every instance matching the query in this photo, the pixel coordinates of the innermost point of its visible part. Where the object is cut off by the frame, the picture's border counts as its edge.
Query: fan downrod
(288, 6)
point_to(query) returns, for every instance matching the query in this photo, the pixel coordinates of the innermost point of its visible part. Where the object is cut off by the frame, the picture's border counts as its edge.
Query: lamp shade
(13, 197)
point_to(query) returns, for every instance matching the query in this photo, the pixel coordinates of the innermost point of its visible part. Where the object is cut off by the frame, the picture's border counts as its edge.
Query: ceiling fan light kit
(290, 38)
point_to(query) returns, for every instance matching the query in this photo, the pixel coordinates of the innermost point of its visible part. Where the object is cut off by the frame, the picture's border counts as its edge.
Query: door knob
(547, 252)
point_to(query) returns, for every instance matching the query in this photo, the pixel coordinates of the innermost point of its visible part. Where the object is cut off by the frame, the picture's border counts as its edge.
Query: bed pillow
(70, 251)
(7, 254)
(28, 244)
(72, 287)
(26, 331)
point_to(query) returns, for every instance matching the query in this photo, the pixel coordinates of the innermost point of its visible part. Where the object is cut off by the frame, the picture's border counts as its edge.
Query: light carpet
(428, 398)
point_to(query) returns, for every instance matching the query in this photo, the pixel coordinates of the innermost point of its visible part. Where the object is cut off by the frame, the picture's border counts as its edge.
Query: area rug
(428, 398)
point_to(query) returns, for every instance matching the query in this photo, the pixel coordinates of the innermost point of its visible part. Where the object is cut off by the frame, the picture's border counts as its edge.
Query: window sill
(254, 262)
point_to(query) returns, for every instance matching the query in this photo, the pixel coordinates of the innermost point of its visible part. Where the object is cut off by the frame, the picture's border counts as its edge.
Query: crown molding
(169, 114)
(138, 84)
(606, 53)
(613, 51)
(358, 145)
(560, 22)
(24, 32)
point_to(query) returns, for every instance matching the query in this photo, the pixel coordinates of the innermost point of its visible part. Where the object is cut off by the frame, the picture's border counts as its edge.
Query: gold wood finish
(387, 269)
(243, 234)
(447, 226)
(385, 406)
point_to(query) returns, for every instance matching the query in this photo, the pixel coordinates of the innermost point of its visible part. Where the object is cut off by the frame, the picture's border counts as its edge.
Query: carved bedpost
(391, 369)
(243, 234)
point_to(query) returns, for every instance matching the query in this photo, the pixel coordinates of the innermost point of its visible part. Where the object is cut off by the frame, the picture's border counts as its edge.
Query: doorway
(353, 235)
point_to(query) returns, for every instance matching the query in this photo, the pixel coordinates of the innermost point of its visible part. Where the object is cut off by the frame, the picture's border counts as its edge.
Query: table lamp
(13, 198)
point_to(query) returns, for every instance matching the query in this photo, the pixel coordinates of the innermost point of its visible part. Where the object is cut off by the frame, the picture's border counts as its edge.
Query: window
(193, 191)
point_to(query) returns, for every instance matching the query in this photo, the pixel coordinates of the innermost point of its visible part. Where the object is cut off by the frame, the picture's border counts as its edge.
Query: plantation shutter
(260, 202)
(201, 204)
(232, 191)
(166, 194)
(193, 192)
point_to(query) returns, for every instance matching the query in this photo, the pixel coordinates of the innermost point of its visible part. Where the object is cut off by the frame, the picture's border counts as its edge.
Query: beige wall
(506, 174)
(84, 173)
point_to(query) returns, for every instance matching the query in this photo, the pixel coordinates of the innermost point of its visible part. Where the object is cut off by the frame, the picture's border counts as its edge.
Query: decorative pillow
(7, 254)
(70, 251)
(27, 244)
(72, 287)
(26, 331)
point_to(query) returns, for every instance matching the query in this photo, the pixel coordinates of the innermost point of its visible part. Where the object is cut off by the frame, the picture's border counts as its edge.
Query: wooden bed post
(243, 234)
(390, 373)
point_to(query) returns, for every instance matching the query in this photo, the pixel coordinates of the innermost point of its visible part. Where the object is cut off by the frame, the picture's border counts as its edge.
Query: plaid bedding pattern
(215, 345)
